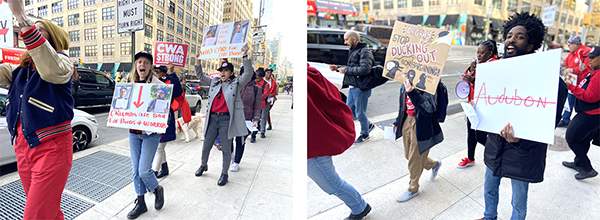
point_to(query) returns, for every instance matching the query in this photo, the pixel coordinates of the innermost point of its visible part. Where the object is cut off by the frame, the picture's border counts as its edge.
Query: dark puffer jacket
(251, 97)
(360, 61)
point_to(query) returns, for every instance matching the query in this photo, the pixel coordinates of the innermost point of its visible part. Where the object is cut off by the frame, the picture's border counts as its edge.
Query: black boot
(155, 173)
(164, 170)
(201, 170)
(159, 199)
(223, 180)
(270, 127)
(138, 209)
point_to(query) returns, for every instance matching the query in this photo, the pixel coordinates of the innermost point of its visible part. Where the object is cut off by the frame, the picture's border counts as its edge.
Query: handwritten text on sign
(224, 40)
(6, 26)
(130, 15)
(140, 106)
(418, 54)
(522, 91)
(167, 52)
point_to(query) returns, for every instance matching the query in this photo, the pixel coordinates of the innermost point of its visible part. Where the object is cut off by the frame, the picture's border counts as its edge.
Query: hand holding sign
(408, 86)
(245, 50)
(508, 134)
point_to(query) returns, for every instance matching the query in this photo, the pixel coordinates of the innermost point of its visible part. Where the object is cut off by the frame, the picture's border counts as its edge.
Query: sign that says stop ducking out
(130, 15)
(167, 52)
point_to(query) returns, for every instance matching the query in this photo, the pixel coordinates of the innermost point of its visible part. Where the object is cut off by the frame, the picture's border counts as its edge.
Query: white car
(85, 131)
(194, 99)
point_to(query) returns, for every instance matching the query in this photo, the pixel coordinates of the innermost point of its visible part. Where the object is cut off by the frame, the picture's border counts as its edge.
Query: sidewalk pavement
(262, 189)
(378, 170)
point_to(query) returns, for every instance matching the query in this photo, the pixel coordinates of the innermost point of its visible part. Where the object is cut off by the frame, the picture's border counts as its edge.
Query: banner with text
(417, 53)
(6, 26)
(12, 55)
(521, 91)
(167, 52)
(224, 40)
(140, 106)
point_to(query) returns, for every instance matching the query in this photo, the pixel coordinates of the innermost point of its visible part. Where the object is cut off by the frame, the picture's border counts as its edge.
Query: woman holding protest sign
(486, 52)
(39, 113)
(586, 124)
(226, 114)
(143, 145)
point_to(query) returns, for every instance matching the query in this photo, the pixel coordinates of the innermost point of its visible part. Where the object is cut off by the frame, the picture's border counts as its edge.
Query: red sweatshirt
(330, 126)
(591, 94)
(472, 85)
(576, 59)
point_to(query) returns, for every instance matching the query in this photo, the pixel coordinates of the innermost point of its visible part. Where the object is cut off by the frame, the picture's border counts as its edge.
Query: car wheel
(81, 138)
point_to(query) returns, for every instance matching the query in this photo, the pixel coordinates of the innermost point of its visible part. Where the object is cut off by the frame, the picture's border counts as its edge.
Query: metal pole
(132, 48)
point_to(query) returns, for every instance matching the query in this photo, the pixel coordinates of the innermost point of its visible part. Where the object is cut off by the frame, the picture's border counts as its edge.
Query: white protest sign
(130, 15)
(521, 91)
(548, 15)
(470, 113)
(140, 106)
(6, 26)
(224, 40)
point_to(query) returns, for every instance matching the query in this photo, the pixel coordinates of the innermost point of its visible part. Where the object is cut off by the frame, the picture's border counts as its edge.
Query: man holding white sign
(503, 99)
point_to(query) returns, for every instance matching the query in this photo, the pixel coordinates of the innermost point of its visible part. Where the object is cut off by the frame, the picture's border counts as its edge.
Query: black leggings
(582, 129)
(240, 144)
(474, 136)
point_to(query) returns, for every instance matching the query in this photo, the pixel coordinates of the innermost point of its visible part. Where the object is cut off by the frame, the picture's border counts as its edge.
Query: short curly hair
(535, 28)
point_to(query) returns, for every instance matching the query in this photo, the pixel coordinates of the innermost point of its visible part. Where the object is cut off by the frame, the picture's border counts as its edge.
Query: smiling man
(523, 161)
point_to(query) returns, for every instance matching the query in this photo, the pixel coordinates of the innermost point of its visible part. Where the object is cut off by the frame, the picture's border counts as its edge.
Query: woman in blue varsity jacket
(39, 114)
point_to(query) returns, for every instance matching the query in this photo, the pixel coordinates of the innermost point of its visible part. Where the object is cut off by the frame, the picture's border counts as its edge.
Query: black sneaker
(586, 174)
(262, 135)
(159, 199)
(570, 165)
(360, 215)
(361, 138)
(371, 127)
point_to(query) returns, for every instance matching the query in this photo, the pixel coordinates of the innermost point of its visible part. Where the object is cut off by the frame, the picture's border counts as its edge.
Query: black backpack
(441, 102)
(372, 80)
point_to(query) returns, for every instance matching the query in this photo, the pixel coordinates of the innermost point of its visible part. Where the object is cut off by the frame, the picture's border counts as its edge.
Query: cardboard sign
(224, 40)
(130, 15)
(6, 26)
(12, 55)
(167, 52)
(140, 106)
(521, 91)
(417, 53)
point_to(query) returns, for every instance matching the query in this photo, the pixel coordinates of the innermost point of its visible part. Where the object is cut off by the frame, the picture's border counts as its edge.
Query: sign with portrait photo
(224, 40)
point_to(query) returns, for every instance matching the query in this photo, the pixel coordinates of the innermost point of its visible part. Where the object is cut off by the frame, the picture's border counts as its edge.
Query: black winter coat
(429, 132)
(360, 61)
(524, 160)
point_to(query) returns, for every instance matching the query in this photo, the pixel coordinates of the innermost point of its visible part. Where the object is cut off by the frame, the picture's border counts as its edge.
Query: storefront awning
(90, 65)
(107, 67)
(333, 7)
(312, 8)
(415, 20)
(432, 20)
(450, 20)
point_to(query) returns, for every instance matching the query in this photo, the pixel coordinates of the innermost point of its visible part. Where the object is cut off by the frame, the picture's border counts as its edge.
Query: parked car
(85, 131)
(92, 89)
(200, 87)
(193, 99)
(379, 32)
(327, 46)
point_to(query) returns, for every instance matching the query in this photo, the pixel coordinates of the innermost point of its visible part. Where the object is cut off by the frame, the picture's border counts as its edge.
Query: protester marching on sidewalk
(577, 62)
(225, 118)
(262, 83)
(585, 126)
(271, 97)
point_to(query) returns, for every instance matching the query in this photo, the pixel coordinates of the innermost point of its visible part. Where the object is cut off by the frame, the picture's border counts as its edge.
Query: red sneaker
(466, 162)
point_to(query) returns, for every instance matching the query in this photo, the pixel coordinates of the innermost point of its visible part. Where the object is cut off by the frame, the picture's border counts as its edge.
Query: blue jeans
(490, 193)
(360, 98)
(566, 117)
(322, 171)
(142, 148)
(351, 102)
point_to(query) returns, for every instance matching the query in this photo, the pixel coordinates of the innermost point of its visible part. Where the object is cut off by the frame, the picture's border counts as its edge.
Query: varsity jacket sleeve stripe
(53, 67)
(5, 75)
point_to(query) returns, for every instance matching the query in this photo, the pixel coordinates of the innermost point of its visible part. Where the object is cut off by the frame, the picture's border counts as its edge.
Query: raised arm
(53, 67)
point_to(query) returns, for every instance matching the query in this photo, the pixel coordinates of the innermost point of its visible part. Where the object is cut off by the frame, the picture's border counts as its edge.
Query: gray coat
(231, 92)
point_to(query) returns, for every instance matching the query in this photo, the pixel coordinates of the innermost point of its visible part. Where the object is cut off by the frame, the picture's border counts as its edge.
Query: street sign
(549, 15)
(130, 15)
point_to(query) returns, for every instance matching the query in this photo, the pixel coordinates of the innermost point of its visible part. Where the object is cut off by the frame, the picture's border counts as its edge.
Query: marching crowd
(420, 113)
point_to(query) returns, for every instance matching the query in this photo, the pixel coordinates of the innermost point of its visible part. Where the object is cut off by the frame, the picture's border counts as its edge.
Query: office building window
(179, 28)
(59, 21)
(170, 23)
(160, 18)
(74, 51)
(188, 3)
(148, 31)
(160, 3)
(187, 32)
(28, 2)
(172, 7)
(126, 48)
(74, 36)
(43, 11)
(194, 35)
(388, 4)
(170, 38)
(91, 51)
(180, 2)
(73, 19)
(56, 7)
(195, 9)
(188, 18)
(108, 13)
(195, 22)
(179, 40)
(108, 50)
(125, 34)
(434, 2)
(148, 12)
(497, 4)
(159, 35)
(419, 3)
(376, 4)
(89, 2)
(479, 2)
(29, 12)
(180, 13)
(193, 48)
(402, 4)
(148, 48)
(72, 4)
(89, 17)
(108, 32)
(89, 34)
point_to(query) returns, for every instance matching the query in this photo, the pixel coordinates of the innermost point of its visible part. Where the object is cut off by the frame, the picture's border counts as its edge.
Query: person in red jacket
(578, 62)
(330, 132)
(272, 95)
(486, 52)
(262, 83)
(585, 126)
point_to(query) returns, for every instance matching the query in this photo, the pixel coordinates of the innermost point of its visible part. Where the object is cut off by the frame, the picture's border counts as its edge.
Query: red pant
(44, 170)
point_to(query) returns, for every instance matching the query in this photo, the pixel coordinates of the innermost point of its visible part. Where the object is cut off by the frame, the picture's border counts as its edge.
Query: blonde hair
(57, 37)
(134, 76)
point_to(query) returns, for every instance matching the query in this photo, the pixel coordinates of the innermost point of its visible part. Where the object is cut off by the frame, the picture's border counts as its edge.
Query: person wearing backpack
(356, 72)
(417, 123)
